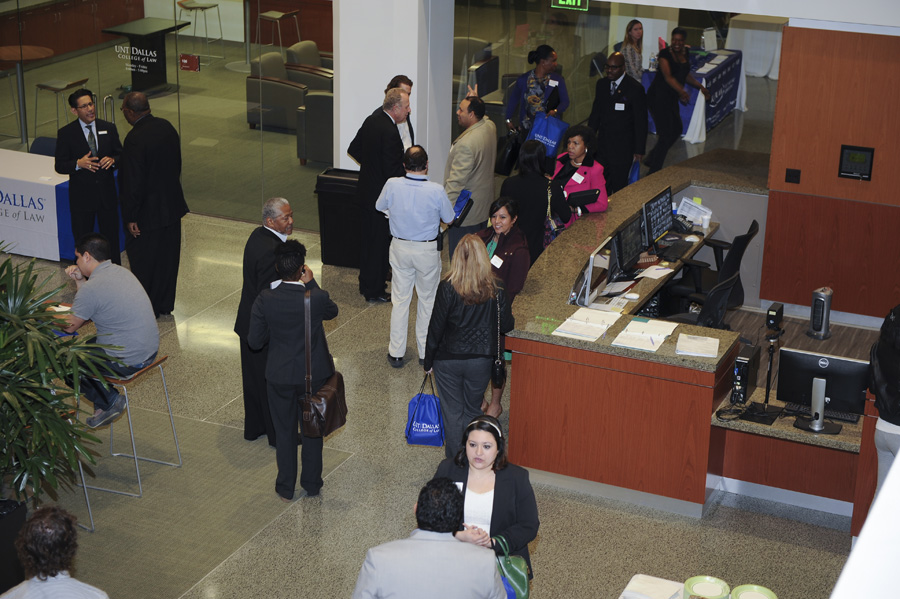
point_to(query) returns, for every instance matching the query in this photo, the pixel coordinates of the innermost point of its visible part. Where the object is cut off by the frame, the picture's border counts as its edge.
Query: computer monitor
(629, 244)
(657, 215)
(591, 277)
(845, 379)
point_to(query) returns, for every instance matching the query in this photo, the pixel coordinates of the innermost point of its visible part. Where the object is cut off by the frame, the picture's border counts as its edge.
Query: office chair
(698, 278)
(45, 146)
(712, 313)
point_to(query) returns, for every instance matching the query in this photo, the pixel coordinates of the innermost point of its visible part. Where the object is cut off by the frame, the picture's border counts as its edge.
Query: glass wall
(238, 131)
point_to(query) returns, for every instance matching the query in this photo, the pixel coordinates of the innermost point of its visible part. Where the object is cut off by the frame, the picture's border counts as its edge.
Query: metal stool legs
(192, 7)
(87, 500)
(133, 455)
(275, 17)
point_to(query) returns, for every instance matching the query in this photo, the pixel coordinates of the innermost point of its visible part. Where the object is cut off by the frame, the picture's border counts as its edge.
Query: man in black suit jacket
(259, 272)
(92, 184)
(619, 117)
(152, 201)
(277, 319)
(378, 149)
(404, 127)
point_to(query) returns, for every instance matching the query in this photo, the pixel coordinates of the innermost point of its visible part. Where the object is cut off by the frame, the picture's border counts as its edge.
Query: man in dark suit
(404, 127)
(277, 319)
(152, 201)
(619, 116)
(259, 272)
(378, 149)
(87, 150)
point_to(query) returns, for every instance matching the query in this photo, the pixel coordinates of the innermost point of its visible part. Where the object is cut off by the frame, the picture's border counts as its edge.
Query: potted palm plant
(42, 439)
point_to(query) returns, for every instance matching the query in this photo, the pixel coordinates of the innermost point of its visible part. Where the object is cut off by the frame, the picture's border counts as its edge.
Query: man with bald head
(619, 116)
(152, 201)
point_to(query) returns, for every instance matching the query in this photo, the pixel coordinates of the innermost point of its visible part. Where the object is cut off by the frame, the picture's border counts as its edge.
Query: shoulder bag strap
(499, 353)
(308, 338)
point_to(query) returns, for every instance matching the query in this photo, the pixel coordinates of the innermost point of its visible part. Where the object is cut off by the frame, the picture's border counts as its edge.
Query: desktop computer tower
(746, 368)
(819, 313)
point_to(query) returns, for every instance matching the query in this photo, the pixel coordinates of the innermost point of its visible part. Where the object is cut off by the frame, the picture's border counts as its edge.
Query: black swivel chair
(699, 278)
(715, 304)
(45, 146)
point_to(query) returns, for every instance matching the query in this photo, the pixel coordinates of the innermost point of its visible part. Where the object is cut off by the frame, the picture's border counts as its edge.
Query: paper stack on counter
(692, 345)
(586, 324)
(644, 334)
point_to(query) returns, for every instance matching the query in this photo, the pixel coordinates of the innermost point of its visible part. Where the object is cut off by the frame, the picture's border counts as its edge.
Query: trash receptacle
(340, 222)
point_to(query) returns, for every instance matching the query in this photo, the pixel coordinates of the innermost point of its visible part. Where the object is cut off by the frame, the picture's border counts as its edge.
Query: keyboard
(792, 409)
(675, 251)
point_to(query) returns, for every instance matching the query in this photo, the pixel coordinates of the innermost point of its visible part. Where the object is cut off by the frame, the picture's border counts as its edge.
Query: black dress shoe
(395, 362)
(384, 298)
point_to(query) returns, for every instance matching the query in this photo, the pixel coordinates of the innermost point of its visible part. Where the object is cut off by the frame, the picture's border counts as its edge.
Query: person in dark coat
(619, 117)
(259, 272)
(277, 320)
(481, 467)
(378, 149)
(529, 187)
(152, 201)
(88, 149)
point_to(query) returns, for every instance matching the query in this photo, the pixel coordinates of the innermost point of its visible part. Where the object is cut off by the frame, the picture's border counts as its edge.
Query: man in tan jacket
(470, 165)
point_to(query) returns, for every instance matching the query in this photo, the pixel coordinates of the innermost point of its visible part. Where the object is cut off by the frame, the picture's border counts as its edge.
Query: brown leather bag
(324, 411)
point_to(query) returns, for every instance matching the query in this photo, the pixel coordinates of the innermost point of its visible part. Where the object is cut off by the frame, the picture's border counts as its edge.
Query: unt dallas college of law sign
(28, 205)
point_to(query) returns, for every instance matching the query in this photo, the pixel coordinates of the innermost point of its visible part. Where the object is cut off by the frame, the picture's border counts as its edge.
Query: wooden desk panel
(867, 469)
(789, 465)
(593, 417)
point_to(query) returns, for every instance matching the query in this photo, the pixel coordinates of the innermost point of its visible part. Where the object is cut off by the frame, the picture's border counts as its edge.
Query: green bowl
(752, 591)
(708, 587)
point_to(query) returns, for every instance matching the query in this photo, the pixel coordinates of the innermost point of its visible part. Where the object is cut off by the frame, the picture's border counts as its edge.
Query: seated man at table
(113, 298)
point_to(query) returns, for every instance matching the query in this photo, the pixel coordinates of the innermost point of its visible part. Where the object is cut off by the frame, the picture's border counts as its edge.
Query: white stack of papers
(719, 59)
(706, 68)
(586, 324)
(693, 345)
(644, 334)
(654, 272)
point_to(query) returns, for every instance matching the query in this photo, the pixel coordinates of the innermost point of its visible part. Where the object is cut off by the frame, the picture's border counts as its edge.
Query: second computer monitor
(657, 215)
(629, 243)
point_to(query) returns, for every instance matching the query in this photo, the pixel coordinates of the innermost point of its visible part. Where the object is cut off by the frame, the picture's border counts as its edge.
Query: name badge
(101, 132)
(497, 261)
(620, 106)
(553, 83)
(578, 177)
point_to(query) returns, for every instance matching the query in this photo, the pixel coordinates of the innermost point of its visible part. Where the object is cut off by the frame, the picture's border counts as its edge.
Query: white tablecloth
(760, 40)
(28, 204)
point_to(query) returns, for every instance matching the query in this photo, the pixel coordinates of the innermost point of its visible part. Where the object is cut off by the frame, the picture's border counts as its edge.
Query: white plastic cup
(705, 221)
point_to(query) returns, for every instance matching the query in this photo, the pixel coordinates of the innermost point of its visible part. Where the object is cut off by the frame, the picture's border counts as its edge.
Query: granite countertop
(849, 439)
(542, 305)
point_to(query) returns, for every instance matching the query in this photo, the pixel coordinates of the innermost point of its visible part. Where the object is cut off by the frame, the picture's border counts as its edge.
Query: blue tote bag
(548, 130)
(424, 424)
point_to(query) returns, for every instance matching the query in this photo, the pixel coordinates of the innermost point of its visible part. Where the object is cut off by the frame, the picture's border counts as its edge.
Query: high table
(146, 52)
(759, 37)
(726, 83)
(35, 219)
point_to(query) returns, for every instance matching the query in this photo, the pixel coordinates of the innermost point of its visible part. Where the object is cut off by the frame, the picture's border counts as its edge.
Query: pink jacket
(592, 173)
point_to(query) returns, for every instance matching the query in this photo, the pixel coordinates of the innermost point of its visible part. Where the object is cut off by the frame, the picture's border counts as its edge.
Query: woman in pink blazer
(576, 170)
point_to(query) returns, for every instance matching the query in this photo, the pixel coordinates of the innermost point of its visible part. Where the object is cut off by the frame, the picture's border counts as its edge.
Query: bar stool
(275, 17)
(58, 87)
(192, 7)
(123, 383)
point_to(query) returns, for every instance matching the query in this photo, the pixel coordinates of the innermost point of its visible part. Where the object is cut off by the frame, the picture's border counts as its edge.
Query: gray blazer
(470, 165)
(429, 564)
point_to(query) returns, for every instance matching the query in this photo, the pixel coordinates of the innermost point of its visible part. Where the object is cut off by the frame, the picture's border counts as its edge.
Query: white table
(28, 210)
(759, 38)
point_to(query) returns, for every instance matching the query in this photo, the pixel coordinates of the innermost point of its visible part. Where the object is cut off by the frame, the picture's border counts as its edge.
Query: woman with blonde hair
(470, 309)
(633, 49)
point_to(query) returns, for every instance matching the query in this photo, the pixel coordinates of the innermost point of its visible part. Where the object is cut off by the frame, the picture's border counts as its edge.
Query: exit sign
(570, 4)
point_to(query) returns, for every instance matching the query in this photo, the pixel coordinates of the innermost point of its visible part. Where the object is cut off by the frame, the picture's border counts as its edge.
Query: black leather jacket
(458, 331)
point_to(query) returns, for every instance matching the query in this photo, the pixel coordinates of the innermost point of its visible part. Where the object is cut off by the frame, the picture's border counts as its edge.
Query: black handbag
(508, 155)
(324, 411)
(498, 369)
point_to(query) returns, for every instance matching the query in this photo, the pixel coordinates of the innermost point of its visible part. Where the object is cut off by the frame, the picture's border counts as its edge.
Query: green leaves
(42, 440)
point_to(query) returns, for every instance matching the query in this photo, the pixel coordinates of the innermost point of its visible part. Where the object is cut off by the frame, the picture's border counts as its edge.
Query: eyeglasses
(83, 106)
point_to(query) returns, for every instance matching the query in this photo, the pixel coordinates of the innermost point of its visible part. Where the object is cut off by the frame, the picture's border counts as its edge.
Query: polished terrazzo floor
(587, 546)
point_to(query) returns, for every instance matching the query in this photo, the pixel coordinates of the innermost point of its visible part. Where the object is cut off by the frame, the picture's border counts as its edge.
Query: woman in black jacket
(462, 336)
(499, 499)
(530, 189)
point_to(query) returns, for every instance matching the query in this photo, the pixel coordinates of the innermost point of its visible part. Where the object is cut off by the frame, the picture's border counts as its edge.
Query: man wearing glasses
(619, 117)
(87, 149)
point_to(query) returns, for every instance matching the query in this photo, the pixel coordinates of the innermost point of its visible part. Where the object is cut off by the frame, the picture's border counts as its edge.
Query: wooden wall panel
(788, 465)
(836, 88)
(814, 242)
